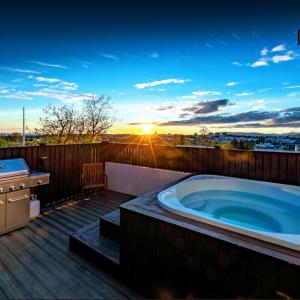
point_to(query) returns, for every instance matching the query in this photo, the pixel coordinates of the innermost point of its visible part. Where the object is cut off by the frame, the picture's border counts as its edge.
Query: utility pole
(24, 141)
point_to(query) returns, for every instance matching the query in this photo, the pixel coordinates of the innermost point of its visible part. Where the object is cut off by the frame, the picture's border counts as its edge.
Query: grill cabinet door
(2, 213)
(17, 209)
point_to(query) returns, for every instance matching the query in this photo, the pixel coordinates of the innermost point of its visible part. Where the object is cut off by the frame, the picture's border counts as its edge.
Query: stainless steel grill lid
(12, 168)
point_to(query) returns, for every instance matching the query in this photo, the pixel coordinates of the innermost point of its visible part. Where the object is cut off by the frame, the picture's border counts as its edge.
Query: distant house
(263, 146)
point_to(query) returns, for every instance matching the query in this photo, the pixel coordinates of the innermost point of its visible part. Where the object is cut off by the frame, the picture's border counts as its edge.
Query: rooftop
(62, 255)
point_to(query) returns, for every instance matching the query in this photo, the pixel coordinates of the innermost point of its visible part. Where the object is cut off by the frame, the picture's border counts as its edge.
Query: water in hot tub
(244, 209)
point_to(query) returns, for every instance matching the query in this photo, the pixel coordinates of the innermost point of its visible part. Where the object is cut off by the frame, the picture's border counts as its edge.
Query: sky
(224, 65)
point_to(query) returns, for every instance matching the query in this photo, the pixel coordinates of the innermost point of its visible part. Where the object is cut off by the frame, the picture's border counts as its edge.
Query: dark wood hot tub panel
(163, 255)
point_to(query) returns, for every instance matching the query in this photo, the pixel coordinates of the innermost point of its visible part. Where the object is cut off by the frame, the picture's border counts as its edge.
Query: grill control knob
(22, 185)
(12, 187)
(40, 181)
(1, 190)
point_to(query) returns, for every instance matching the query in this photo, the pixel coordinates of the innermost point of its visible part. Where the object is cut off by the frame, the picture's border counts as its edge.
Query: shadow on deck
(35, 262)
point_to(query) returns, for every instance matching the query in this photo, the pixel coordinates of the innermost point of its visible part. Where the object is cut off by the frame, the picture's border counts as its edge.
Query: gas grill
(15, 183)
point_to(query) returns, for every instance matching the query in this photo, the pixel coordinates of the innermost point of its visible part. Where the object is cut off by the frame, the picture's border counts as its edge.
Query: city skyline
(175, 68)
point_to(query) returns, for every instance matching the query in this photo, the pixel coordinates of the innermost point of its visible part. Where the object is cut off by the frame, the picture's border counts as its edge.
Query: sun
(147, 128)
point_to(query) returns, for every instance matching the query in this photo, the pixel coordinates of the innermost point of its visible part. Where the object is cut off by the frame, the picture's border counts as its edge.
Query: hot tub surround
(263, 210)
(166, 252)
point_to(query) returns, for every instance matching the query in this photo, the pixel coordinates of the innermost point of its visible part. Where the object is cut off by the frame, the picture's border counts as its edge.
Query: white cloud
(46, 79)
(108, 55)
(160, 82)
(84, 63)
(260, 63)
(265, 60)
(232, 83)
(293, 86)
(64, 91)
(290, 55)
(63, 96)
(66, 86)
(188, 97)
(208, 45)
(158, 90)
(47, 64)
(20, 70)
(236, 63)
(206, 93)
(293, 94)
(16, 95)
(258, 104)
(4, 91)
(39, 85)
(221, 42)
(244, 94)
(236, 36)
(279, 48)
(264, 90)
(264, 51)
(153, 54)
(17, 80)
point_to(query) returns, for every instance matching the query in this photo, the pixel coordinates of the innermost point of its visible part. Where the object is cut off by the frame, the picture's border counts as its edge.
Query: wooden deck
(35, 262)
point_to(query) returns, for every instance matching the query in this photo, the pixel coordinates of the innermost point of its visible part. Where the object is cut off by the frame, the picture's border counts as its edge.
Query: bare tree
(57, 123)
(203, 134)
(97, 117)
(64, 124)
(202, 137)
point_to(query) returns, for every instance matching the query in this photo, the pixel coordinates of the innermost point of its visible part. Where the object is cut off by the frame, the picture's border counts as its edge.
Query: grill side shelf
(37, 179)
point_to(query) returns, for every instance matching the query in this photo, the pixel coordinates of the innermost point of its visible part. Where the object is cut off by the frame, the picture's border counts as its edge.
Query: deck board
(35, 262)
(103, 251)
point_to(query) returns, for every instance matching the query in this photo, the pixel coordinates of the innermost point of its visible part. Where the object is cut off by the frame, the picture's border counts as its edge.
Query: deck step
(110, 225)
(99, 250)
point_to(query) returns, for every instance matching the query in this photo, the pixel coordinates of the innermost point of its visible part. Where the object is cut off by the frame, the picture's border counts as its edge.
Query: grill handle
(11, 200)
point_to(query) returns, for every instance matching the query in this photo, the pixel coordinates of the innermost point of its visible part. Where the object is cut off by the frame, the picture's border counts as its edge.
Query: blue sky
(224, 65)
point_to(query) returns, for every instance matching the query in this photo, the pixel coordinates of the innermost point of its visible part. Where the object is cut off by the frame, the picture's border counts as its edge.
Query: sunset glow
(147, 129)
(220, 72)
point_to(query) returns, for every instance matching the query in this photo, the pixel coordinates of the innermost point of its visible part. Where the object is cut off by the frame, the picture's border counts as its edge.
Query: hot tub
(263, 210)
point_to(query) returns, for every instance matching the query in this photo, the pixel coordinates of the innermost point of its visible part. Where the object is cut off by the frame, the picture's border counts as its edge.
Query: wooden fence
(64, 163)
